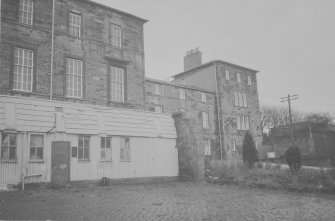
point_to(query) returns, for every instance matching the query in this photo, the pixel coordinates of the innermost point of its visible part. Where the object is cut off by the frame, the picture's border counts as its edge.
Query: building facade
(72, 103)
(75, 103)
(193, 109)
(237, 103)
(98, 52)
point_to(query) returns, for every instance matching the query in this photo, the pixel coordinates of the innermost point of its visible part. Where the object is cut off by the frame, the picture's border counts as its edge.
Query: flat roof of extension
(177, 85)
(115, 10)
(209, 63)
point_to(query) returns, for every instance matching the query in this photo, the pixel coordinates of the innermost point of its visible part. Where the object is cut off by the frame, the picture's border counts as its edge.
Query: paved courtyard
(164, 201)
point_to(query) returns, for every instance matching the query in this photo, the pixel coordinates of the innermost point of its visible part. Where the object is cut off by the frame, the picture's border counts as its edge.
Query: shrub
(293, 158)
(249, 152)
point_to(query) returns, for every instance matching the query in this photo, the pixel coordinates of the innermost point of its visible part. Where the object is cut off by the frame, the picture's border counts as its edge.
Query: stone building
(90, 38)
(75, 103)
(72, 101)
(194, 111)
(236, 94)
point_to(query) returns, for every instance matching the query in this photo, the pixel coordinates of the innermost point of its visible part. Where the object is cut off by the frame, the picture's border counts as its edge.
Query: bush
(293, 158)
(249, 152)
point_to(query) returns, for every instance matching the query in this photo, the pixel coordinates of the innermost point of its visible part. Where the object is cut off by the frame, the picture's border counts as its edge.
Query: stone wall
(187, 114)
(93, 48)
(229, 110)
(191, 154)
(226, 87)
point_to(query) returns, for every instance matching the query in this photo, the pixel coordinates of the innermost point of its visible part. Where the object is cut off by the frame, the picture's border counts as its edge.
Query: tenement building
(75, 103)
(236, 94)
(72, 103)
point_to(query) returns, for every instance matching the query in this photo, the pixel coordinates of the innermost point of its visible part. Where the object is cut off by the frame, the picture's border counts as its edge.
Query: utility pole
(288, 99)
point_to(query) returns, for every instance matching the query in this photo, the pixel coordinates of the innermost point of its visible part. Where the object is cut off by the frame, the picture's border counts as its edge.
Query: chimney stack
(192, 59)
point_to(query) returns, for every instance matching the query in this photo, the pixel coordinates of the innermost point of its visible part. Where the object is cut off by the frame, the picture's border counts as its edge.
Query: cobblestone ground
(164, 201)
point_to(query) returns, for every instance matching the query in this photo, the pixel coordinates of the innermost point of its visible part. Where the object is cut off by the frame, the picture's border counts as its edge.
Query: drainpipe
(52, 48)
(0, 31)
(218, 106)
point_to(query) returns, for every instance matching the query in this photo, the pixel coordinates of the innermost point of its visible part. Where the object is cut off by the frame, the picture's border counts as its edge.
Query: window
(238, 76)
(115, 35)
(117, 84)
(106, 148)
(227, 75)
(249, 80)
(233, 145)
(73, 78)
(242, 122)
(157, 89)
(74, 24)
(83, 147)
(244, 99)
(181, 93)
(205, 120)
(36, 146)
(207, 147)
(26, 9)
(23, 70)
(204, 97)
(158, 109)
(240, 99)
(8, 146)
(124, 149)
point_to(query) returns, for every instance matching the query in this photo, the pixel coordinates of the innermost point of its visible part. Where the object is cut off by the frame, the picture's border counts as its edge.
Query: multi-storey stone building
(75, 103)
(72, 103)
(98, 52)
(235, 89)
(194, 111)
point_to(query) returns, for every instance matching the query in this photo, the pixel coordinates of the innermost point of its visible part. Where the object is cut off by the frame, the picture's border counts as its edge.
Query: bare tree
(273, 116)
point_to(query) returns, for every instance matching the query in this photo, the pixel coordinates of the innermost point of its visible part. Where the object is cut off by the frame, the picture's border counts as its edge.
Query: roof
(178, 85)
(115, 10)
(209, 64)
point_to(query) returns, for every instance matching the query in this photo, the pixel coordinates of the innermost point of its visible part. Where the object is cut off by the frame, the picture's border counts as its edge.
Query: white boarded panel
(2, 115)
(9, 173)
(150, 157)
(39, 115)
(38, 169)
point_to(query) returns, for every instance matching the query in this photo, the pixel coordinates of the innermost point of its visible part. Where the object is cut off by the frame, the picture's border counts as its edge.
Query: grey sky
(291, 42)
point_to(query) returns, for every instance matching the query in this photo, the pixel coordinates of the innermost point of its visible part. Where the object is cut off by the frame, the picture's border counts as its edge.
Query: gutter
(52, 48)
(218, 104)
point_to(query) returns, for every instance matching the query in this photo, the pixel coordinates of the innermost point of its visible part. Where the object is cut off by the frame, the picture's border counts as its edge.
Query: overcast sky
(291, 42)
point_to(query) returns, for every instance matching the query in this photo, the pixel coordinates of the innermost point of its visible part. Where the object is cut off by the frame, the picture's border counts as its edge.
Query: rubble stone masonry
(93, 48)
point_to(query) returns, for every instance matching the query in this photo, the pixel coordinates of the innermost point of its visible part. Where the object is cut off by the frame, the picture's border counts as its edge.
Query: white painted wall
(152, 139)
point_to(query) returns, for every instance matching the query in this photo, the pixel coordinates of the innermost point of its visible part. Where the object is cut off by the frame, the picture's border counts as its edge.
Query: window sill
(73, 36)
(106, 161)
(9, 161)
(125, 161)
(26, 25)
(118, 102)
(36, 161)
(84, 161)
(74, 98)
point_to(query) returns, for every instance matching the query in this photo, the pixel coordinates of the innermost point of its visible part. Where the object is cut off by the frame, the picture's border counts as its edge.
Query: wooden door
(60, 163)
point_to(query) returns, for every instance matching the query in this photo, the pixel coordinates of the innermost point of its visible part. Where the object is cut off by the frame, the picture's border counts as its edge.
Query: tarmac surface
(164, 201)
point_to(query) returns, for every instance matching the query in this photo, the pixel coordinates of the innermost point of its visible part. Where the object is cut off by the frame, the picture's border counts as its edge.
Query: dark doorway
(60, 163)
